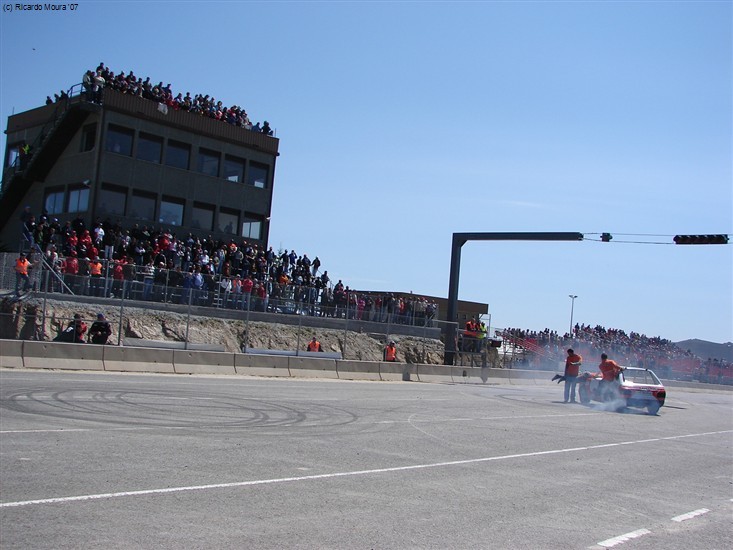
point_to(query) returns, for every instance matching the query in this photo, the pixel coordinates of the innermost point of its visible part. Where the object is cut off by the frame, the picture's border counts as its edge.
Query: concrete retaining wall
(11, 353)
(261, 365)
(60, 355)
(300, 367)
(203, 362)
(138, 359)
(357, 370)
(397, 372)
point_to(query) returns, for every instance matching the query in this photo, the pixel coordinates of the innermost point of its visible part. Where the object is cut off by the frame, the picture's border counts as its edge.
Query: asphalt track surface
(102, 460)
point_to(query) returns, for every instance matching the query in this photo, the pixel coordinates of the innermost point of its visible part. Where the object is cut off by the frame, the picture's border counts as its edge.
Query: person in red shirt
(247, 286)
(610, 371)
(572, 368)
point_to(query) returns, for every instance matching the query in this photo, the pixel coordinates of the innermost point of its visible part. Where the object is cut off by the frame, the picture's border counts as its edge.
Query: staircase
(46, 149)
(529, 346)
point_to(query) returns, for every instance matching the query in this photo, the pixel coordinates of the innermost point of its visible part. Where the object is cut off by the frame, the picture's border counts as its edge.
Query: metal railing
(302, 308)
(174, 286)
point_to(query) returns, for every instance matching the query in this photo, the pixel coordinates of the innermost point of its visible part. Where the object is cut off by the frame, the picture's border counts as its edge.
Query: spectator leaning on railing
(94, 82)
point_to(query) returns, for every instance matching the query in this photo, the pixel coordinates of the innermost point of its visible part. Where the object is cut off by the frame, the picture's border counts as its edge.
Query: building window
(208, 162)
(119, 140)
(177, 154)
(202, 217)
(257, 174)
(233, 168)
(149, 147)
(54, 202)
(13, 154)
(171, 211)
(142, 206)
(228, 221)
(252, 227)
(88, 137)
(111, 201)
(79, 199)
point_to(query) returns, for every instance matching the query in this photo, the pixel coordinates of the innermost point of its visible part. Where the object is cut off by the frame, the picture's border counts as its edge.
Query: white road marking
(690, 515)
(62, 500)
(609, 543)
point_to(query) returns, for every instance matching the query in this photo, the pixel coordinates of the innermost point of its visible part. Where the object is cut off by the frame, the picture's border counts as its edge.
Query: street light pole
(572, 308)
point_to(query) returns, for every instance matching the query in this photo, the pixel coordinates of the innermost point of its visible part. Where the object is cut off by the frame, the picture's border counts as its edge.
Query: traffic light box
(701, 239)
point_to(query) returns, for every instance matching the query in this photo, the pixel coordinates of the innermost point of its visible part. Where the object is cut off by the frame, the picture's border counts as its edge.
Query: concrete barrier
(524, 377)
(11, 353)
(203, 362)
(470, 375)
(261, 365)
(138, 359)
(434, 373)
(58, 355)
(357, 370)
(168, 344)
(301, 367)
(394, 372)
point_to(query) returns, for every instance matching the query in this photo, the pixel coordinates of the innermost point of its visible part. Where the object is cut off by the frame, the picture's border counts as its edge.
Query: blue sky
(404, 122)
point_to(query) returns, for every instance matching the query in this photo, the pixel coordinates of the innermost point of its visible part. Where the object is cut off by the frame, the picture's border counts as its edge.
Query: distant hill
(705, 350)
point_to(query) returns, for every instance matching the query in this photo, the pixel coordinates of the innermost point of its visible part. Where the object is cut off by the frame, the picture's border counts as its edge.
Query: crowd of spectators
(154, 264)
(95, 81)
(632, 348)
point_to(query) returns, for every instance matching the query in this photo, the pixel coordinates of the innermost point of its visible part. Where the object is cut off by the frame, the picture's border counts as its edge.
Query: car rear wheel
(653, 407)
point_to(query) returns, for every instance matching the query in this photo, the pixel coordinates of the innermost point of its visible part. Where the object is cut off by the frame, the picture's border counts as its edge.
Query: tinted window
(202, 217)
(119, 140)
(252, 227)
(208, 162)
(177, 154)
(54, 202)
(257, 174)
(149, 147)
(233, 168)
(142, 207)
(88, 137)
(110, 201)
(79, 200)
(228, 222)
(171, 212)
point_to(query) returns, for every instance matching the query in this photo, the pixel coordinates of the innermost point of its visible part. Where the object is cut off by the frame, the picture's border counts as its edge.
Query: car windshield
(640, 376)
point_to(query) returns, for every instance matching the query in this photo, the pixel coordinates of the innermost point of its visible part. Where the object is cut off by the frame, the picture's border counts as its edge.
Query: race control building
(135, 161)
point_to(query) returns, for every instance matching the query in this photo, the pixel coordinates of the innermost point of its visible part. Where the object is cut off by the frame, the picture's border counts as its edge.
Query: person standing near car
(610, 371)
(572, 368)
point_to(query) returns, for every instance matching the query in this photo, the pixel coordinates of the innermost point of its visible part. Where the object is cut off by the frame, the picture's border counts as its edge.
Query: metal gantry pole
(459, 239)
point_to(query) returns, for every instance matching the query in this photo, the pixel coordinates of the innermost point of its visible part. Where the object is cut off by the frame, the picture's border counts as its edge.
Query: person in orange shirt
(314, 345)
(572, 368)
(610, 371)
(390, 352)
(22, 265)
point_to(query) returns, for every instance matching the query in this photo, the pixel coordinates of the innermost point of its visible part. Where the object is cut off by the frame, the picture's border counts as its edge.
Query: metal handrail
(20, 164)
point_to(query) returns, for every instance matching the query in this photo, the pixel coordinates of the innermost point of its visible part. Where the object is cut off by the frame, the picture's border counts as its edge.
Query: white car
(635, 387)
